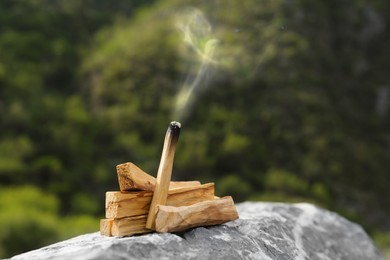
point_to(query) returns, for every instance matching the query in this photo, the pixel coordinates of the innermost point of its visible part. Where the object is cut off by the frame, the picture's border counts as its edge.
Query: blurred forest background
(297, 107)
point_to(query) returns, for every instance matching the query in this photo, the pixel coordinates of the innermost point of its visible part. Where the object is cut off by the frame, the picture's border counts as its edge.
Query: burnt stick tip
(164, 173)
(174, 128)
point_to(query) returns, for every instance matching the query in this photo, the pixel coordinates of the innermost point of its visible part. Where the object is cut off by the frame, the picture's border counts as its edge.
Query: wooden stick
(123, 226)
(164, 172)
(211, 212)
(173, 219)
(120, 204)
(183, 184)
(131, 177)
(105, 227)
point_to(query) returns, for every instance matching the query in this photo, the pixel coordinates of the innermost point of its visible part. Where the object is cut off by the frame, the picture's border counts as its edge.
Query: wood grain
(105, 227)
(127, 204)
(124, 226)
(210, 212)
(164, 173)
(131, 177)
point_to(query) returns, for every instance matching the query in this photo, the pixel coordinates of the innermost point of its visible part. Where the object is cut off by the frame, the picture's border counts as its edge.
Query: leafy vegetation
(294, 108)
(30, 219)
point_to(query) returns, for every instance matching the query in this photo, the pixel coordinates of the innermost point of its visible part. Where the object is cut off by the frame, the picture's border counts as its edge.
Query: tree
(289, 93)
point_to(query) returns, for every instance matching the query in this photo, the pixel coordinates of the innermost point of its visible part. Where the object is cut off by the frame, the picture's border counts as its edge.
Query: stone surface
(264, 231)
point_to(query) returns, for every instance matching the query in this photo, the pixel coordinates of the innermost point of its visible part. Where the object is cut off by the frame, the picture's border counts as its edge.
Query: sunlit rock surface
(264, 231)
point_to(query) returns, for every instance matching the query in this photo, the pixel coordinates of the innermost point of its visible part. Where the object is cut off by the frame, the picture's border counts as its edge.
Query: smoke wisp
(197, 35)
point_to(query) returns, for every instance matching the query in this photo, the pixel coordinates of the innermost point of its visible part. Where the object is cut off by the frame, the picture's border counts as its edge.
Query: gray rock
(264, 231)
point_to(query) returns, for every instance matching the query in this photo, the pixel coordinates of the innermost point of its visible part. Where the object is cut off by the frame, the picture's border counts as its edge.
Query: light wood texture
(131, 177)
(105, 227)
(129, 226)
(127, 204)
(173, 219)
(211, 212)
(163, 176)
(123, 226)
(183, 184)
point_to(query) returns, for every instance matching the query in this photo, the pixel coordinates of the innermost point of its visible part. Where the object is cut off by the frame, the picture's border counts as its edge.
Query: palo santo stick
(183, 184)
(211, 212)
(131, 177)
(105, 227)
(123, 226)
(164, 171)
(120, 204)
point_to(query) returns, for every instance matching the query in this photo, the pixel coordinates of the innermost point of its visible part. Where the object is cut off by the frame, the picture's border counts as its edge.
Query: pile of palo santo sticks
(146, 204)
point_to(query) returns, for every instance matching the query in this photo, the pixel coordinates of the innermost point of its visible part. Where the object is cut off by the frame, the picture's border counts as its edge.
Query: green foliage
(76, 225)
(84, 204)
(13, 153)
(284, 181)
(382, 239)
(285, 96)
(296, 108)
(27, 231)
(29, 220)
(233, 185)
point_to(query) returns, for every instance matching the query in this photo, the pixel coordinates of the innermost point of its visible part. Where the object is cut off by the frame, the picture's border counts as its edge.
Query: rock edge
(264, 231)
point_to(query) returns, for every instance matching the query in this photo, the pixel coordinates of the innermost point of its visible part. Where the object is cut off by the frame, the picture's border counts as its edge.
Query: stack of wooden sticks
(146, 204)
(189, 204)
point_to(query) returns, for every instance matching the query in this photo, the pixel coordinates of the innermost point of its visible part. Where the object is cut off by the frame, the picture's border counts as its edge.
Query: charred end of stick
(174, 131)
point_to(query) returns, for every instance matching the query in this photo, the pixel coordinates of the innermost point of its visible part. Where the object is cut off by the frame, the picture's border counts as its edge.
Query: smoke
(197, 36)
